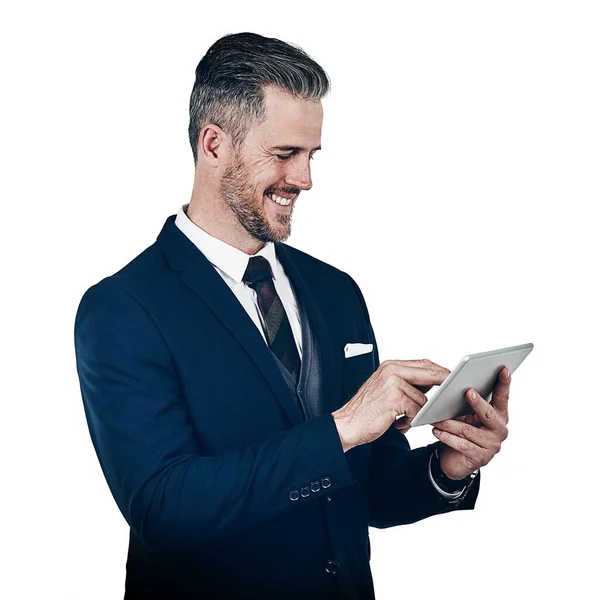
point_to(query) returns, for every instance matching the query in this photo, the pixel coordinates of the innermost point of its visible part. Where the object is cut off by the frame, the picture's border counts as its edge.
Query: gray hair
(230, 80)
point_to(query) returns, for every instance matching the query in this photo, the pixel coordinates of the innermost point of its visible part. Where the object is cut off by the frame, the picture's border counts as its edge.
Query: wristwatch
(450, 486)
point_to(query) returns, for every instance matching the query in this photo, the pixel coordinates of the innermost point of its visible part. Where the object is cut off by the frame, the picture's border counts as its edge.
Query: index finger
(416, 372)
(423, 363)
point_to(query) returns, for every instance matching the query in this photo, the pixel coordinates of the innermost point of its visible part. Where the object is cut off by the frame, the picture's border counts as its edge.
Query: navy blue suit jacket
(203, 449)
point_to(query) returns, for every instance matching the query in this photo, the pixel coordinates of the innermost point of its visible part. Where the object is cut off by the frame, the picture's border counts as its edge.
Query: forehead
(290, 121)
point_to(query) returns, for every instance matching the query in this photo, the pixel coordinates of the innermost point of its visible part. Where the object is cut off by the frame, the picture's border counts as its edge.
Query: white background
(458, 185)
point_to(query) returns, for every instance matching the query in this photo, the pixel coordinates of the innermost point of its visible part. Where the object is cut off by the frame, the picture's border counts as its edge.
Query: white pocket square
(351, 350)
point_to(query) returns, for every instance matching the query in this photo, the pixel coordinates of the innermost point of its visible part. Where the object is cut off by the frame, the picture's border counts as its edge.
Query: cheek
(264, 185)
(266, 174)
(272, 175)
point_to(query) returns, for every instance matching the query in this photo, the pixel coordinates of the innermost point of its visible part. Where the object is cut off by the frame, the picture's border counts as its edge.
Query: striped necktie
(277, 326)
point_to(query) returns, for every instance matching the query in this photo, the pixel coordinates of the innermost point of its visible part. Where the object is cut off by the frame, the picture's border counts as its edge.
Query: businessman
(232, 383)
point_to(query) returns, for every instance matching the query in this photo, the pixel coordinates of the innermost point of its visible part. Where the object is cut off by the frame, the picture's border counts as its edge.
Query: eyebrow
(292, 148)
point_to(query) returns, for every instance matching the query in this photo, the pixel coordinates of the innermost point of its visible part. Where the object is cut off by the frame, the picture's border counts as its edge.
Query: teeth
(280, 200)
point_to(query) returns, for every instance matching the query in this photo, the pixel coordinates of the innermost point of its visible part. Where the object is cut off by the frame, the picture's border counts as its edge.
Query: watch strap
(448, 485)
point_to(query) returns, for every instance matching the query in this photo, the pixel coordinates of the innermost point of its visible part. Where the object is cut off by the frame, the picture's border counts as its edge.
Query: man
(248, 455)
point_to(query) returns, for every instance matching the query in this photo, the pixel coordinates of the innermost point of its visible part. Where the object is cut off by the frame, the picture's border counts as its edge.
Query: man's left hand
(471, 441)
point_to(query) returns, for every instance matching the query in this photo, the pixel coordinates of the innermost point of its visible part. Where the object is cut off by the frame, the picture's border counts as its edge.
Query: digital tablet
(477, 371)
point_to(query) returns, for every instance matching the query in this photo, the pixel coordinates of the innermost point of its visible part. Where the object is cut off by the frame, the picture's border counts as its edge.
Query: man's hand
(471, 441)
(394, 389)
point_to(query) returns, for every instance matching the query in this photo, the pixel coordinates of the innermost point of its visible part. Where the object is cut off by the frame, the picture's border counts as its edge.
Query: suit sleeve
(172, 497)
(400, 489)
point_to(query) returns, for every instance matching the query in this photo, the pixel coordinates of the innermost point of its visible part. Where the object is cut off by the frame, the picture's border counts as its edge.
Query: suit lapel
(200, 276)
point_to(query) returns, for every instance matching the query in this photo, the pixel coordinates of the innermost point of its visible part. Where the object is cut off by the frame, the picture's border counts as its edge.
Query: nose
(298, 174)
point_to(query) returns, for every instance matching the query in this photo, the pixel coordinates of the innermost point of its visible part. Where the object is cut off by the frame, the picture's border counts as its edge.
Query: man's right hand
(390, 391)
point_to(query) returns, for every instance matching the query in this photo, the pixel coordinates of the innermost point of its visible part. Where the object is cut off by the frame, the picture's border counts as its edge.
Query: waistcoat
(308, 394)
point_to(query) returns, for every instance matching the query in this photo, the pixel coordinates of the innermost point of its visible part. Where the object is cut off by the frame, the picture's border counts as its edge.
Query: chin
(275, 235)
(261, 224)
(284, 235)
(282, 231)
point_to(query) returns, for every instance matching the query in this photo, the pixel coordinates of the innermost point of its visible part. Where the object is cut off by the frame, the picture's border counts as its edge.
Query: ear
(213, 145)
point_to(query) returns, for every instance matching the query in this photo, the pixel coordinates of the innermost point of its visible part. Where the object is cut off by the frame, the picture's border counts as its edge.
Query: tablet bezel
(449, 398)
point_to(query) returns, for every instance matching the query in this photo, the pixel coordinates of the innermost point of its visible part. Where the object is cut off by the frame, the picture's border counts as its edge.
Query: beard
(239, 194)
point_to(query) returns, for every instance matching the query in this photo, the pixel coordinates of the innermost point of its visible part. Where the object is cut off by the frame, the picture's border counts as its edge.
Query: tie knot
(258, 270)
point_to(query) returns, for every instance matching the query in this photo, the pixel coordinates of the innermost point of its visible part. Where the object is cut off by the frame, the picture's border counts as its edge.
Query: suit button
(333, 566)
(304, 492)
(315, 486)
(294, 495)
(325, 482)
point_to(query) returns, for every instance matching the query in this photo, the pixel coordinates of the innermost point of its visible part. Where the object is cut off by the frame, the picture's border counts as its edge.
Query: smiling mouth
(284, 199)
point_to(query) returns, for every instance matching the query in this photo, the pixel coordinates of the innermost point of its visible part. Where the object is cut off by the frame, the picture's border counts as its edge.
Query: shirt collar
(228, 259)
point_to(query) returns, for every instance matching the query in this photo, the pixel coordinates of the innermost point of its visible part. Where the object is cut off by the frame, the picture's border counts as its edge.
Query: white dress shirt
(230, 263)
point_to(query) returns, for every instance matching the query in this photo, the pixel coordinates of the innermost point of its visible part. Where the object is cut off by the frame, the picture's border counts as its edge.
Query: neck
(210, 213)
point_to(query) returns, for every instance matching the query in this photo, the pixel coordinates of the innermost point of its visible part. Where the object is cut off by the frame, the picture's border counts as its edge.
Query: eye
(284, 156)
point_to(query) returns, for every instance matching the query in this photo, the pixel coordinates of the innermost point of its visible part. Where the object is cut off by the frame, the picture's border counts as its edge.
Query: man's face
(272, 166)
